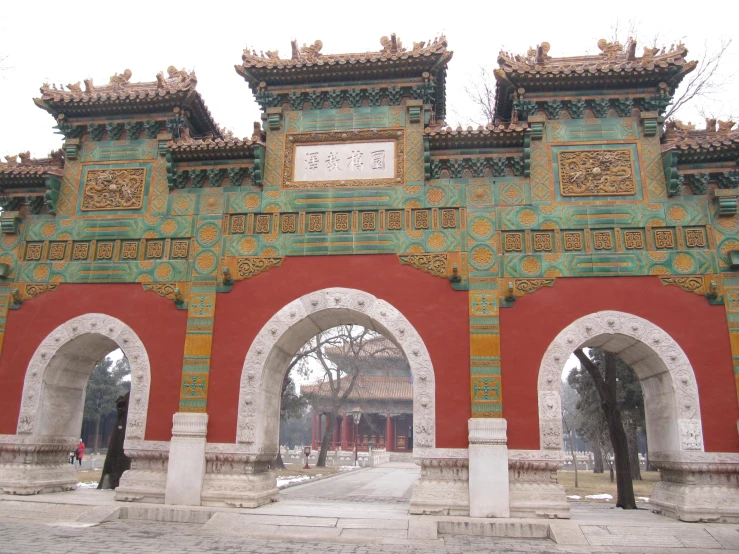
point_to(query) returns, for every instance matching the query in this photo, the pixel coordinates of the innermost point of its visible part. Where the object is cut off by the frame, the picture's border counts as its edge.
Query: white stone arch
(668, 382)
(54, 387)
(292, 326)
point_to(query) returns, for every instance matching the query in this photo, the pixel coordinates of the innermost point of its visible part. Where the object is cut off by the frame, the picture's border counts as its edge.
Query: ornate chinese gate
(576, 218)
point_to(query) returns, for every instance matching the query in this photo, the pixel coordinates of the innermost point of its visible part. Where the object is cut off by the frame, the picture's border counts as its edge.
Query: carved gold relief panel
(596, 172)
(114, 189)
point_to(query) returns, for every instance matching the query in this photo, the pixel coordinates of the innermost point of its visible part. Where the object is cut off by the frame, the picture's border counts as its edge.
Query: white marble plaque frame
(344, 159)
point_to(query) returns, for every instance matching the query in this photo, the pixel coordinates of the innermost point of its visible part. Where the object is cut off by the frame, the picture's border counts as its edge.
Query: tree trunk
(97, 435)
(326, 441)
(633, 454)
(597, 457)
(607, 392)
(278, 463)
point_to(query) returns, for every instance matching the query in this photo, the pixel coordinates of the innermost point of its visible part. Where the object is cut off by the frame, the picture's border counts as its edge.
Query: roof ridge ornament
(305, 52)
(120, 81)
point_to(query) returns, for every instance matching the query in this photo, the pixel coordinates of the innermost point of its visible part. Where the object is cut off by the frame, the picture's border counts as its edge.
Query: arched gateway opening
(264, 370)
(668, 382)
(53, 401)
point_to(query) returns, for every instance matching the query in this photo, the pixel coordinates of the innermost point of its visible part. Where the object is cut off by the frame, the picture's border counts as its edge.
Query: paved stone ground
(130, 536)
(360, 513)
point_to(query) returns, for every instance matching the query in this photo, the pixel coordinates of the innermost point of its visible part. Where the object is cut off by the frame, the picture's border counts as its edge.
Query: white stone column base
(186, 467)
(697, 486)
(236, 476)
(146, 481)
(533, 484)
(488, 471)
(443, 487)
(32, 464)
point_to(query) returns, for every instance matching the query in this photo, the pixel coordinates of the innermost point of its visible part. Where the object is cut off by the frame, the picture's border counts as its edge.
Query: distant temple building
(382, 392)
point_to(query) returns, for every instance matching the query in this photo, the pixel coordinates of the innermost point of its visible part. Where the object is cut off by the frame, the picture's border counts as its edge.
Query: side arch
(292, 326)
(63, 359)
(668, 381)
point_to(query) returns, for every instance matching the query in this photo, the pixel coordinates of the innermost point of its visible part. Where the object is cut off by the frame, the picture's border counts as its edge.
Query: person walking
(79, 452)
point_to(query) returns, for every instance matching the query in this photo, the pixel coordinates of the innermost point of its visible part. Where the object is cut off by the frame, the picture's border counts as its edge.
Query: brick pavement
(133, 536)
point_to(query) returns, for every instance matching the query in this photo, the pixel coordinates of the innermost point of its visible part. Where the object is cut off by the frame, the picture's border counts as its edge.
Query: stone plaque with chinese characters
(361, 159)
(114, 189)
(347, 161)
(596, 172)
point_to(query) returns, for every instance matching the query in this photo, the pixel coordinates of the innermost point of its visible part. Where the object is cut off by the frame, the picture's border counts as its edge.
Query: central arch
(291, 327)
(667, 378)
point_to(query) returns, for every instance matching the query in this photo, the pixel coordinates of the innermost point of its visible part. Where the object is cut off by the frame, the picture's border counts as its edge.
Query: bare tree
(358, 348)
(704, 81)
(605, 383)
(481, 90)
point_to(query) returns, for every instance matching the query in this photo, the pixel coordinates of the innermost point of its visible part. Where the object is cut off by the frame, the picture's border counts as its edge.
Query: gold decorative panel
(341, 222)
(664, 239)
(81, 251)
(573, 241)
(33, 251)
(602, 240)
(237, 224)
(368, 221)
(289, 223)
(596, 172)
(448, 219)
(263, 223)
(513, 242)
(633, 239)
(542, 242)
(114, 189)
(394, 221)
(155, 249)
(57, 250)
(695, 238)
(180, 248)
(130, 250)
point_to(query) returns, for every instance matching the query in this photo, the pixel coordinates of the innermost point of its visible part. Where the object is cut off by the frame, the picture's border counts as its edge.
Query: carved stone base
(697, 486)
(186, 467)
(33, 465)
(146, 481)
(443, 487)
(238, 478)
(534, 491)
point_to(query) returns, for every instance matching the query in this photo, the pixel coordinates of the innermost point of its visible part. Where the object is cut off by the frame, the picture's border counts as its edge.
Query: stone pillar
(186, 466)
(389, 439)
(313, 432)
(345, 424)
(488, 471)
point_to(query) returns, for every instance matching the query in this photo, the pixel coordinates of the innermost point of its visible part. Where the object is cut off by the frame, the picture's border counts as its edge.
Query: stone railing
(146, 481)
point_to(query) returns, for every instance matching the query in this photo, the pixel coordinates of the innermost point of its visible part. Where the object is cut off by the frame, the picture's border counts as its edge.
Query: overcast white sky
(46, 41)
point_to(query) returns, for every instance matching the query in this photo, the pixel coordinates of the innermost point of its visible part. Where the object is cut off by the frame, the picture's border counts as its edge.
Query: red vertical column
(313, 443)
(345, 424)
(337, 435)
(389, 439)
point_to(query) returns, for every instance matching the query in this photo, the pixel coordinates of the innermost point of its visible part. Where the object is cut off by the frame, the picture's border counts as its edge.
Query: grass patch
(89, 476)
(600, 483)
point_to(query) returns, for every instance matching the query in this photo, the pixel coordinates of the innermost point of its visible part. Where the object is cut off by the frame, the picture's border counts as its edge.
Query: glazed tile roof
(701, 145)
(29, 172)
(367, 388)
(616, 66)
(446, 138)
(308, 64)
(393, 60)
(226, 147)
(120, 96)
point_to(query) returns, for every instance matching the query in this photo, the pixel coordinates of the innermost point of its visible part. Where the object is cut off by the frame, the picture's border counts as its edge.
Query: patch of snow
(283, 481)
(348, 468)
(92, 485)
(606, 497)
(575, 497)
(642, 498)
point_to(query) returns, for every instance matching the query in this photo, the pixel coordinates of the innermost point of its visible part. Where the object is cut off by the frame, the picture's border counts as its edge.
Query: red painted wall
(156, 321)
(438, 313)
(700, 329)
